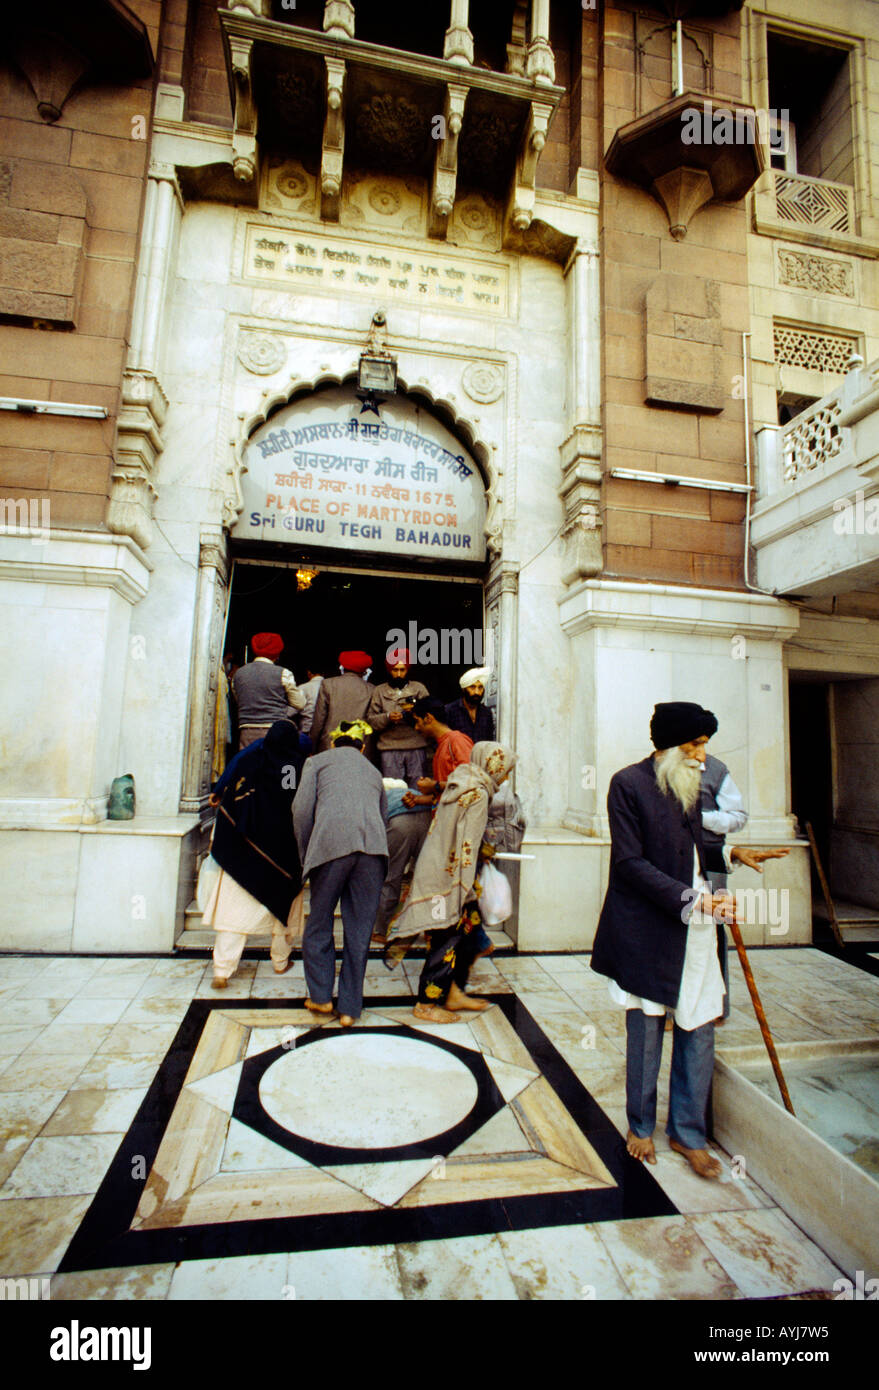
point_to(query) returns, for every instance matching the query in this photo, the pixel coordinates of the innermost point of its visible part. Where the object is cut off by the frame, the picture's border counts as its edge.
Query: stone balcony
(815, 523)
(338, 103)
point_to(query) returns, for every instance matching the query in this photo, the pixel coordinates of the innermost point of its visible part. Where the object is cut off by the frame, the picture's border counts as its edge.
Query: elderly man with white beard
(657, 938)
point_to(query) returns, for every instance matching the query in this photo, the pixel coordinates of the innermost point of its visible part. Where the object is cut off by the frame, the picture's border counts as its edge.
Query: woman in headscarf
(259, 888)
(443, 899)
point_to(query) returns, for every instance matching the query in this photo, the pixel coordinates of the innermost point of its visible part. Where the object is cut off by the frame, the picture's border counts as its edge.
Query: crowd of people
(344, 784)
(332, 784)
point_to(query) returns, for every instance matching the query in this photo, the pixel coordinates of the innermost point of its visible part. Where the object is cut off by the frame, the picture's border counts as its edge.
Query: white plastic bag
(496, 899)
(207, 877)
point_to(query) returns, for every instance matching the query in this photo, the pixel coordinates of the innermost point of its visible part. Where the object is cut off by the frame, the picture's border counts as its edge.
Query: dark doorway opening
(345, 610)
(811, 770)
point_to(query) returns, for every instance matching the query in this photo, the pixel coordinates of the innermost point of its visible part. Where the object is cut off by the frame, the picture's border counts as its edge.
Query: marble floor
(159, 1140)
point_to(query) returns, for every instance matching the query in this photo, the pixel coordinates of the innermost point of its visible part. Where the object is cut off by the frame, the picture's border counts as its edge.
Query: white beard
(679, 776)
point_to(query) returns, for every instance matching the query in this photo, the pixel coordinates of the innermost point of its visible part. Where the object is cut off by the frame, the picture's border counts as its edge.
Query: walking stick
(761, 1016)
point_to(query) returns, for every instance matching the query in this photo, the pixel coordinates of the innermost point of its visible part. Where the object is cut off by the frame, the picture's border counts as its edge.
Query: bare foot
(346, 1021)
(326, 1009)
(640, 1148)
(218, 982)
(669, 1023)
(432, 1013)
(282, 969)
(700, 1160)
(719, 1022)
(457, 999)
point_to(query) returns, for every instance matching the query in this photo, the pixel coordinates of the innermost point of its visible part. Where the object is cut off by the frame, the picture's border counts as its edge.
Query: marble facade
(581, 659)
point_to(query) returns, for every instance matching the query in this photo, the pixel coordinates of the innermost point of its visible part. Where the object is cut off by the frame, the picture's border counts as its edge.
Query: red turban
(398, 656)
(267, 644)
(355, 661)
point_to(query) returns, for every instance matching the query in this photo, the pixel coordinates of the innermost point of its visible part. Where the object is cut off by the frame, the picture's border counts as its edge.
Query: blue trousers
(692, 1064)
(357, 880)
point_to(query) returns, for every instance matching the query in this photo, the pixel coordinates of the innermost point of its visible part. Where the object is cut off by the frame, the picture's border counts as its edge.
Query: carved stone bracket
(244, 152)
(580, 494)
(445, 170)
(138, 446)
(333, 153)
(520, 209)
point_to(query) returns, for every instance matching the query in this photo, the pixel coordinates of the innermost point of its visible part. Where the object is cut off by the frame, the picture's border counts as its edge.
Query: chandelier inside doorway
(305, 576)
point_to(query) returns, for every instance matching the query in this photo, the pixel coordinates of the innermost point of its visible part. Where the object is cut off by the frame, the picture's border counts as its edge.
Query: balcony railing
(816, 203)
(814, 437)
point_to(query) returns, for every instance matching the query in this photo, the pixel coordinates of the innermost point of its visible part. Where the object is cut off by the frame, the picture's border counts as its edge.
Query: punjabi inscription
(424, 276)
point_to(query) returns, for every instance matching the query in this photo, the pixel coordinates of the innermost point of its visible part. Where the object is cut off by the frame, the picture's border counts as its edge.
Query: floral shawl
(449, 858)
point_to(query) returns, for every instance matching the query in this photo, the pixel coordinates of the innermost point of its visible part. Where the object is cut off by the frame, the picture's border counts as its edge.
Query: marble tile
(363, 1090)
(262, 1196)
(494, 1035)
(564, 965)
(240, 984)
(104, 1009)
(501, 1134)
(114, 986)
(223, 1041)
(765, 1253)
(47, 1070)
(466, 1269)
(258, 1019)
(247, 1151)
(189, 1154)
(244, 1278)
(139, 1283)
(219, 1088)
(561, 1263)
(32, 1013)
(459, 1033)
(692, 1194)
(14, 1040)
(474, 1177)
(544, 1118)
(35, 1232)
(62, 1167)
(264, 1039)
(63, 1038)
(367, 1273)
(112, 1074)
(388, 984)
(273, 986)
(168, 987)
(155, 1011)
(22, 1116)
(138, 1038)
(510, 1080)
(663, 1257)
(94, 1112)
(385, 1183)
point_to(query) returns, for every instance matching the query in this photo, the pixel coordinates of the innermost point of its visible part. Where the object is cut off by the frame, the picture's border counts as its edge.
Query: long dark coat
(642, 931)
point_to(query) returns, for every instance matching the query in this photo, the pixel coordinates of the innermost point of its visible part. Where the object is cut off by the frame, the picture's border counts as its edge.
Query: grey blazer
(340, 697)
(340, 808)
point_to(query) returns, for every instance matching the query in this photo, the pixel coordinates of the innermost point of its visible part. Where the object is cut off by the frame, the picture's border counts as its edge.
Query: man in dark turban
(657, 936)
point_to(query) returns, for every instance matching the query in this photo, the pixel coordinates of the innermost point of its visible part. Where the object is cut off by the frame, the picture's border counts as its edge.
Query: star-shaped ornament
(370, 402)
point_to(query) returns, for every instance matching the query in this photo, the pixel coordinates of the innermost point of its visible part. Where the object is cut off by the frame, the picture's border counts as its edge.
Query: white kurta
(702, 988)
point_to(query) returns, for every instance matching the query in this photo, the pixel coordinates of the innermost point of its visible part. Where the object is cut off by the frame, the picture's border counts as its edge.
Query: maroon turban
(267, 644)
(355, 661)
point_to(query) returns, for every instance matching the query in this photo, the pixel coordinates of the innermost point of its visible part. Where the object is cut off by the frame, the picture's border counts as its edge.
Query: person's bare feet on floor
(700, 1160)
(432, 1013)
(457, 999)
(641, 1148)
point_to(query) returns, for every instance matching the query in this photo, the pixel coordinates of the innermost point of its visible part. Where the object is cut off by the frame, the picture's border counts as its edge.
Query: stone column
(502, 621)
(458, 47)
(540, 66)
(144, 404)
(207, 638)
(339, 19)
(581, 451)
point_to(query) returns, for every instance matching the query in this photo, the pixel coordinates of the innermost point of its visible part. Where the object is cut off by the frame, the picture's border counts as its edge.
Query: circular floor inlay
(367, 1091)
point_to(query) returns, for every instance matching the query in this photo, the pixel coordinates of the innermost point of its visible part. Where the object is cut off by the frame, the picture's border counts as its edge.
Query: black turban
(680, 722)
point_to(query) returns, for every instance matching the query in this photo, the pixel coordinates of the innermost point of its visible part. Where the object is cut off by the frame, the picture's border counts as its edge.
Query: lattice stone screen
(817, 351)
(812, 438)
(814, 202)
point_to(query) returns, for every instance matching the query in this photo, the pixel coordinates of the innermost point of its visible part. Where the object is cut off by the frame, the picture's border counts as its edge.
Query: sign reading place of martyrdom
(328, 471)
(384, 272)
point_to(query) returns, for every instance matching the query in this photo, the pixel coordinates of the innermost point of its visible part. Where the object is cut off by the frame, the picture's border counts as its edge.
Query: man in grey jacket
(342, 697)
(339, 819)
